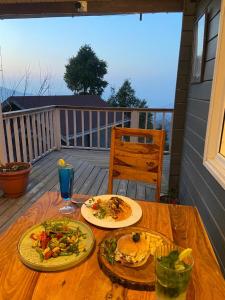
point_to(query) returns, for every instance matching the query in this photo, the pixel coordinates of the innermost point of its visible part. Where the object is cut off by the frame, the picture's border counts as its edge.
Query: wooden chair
(136, 161)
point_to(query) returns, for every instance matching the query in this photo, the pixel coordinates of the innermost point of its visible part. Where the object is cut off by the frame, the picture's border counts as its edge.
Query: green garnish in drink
(173, 274)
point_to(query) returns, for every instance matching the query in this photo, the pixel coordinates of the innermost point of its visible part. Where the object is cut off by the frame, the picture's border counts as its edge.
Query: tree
(85, 71)
(125, 97)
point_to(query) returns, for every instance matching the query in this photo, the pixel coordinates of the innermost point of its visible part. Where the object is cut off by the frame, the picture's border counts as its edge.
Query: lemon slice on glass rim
(185, 253)
(61, 162)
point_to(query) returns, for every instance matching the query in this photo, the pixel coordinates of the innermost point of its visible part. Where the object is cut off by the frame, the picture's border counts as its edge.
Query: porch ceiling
(47, 8)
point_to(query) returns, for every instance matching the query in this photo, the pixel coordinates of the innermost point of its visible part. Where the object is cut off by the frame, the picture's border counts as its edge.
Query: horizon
(118, 40)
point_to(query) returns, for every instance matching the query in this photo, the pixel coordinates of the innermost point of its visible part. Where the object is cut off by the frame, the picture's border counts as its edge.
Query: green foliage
(125, 97)
(85, 71)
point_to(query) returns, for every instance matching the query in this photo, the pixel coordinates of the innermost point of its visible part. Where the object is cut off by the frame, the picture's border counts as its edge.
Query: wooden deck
(91, 178)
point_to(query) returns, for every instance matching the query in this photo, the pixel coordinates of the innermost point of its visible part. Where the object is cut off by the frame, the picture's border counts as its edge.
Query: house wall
(196, 185)
(181, 93)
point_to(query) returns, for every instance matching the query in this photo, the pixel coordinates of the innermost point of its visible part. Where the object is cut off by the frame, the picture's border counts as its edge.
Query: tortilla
(125, 213)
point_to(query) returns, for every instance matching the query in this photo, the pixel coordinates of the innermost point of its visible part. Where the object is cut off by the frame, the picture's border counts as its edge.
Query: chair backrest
(136, 161)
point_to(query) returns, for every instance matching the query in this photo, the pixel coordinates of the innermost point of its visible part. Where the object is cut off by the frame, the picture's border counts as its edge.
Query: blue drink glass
(66, 176)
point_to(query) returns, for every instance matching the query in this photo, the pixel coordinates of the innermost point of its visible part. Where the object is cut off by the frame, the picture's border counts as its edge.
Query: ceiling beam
(94, 7)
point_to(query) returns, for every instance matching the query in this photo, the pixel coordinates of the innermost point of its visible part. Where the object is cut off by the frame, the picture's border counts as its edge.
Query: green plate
(31, 258)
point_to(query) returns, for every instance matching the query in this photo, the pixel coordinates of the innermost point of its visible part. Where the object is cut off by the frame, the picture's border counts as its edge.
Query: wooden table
(87, 281)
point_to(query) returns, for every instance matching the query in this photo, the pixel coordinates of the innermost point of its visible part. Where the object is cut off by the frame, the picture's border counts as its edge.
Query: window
(214, 155)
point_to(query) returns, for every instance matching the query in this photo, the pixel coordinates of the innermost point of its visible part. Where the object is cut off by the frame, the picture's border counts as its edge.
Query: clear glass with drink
(173, 271)
(66, 177)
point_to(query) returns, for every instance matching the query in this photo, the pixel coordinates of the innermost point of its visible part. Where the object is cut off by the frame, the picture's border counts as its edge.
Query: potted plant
(14, 178)
(170, 198)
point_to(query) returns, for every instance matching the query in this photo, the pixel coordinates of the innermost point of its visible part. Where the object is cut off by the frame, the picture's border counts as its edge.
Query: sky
(145, 52)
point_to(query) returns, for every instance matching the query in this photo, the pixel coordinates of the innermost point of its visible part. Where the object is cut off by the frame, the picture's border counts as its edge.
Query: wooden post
(57, 128)
(3, 157)
(134, 123)
(134, 119)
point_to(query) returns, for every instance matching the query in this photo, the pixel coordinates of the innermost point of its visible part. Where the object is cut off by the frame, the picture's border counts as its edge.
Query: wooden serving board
(139, 278)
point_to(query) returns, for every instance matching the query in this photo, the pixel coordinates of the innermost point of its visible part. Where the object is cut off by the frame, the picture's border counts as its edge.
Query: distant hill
(6, 93)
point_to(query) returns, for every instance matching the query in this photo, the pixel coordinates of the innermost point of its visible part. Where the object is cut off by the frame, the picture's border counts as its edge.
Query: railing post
(134, 123)
(134, 119)
(57, 128)
(3, 157)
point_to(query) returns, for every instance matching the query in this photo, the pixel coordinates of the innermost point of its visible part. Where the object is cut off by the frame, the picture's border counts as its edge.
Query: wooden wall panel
(196, 124)
(211, 49)
(184, 66)
(213, 27)
(200, 91)
(213, 8)
(196, 185)
(193, 197)
(209, 68)
(198, 108)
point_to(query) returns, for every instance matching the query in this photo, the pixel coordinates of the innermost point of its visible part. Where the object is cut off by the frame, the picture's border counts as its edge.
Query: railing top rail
(85, 108)
(110, 108)
(27, 111)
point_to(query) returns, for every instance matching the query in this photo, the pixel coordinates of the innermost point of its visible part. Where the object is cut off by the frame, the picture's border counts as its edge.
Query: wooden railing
(91, 127)
(30, 134)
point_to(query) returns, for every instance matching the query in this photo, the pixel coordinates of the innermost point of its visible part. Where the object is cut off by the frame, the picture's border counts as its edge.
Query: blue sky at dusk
(145, 52)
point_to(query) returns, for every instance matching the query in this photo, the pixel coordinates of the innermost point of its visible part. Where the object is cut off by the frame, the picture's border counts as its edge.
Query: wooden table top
(86, 281)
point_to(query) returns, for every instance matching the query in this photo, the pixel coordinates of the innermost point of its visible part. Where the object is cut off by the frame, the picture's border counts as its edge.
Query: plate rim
(54, 268)
(112, 225)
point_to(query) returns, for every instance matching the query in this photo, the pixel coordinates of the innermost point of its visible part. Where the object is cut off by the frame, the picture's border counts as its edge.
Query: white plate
(136, 214)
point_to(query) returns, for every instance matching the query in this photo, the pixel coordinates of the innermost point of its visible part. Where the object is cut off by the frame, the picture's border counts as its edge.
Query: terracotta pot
(14, 184)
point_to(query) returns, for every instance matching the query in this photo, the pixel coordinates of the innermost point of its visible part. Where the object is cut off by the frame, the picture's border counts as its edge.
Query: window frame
(213, 160)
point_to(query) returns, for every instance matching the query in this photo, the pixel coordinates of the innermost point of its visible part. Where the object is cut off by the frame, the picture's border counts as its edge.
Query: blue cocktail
(66, 176)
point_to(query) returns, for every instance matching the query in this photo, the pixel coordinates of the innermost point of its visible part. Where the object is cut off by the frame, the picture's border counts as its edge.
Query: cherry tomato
(44, 239)
(95, 206)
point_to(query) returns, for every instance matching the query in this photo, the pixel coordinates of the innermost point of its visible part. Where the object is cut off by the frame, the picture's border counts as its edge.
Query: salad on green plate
(55, 244)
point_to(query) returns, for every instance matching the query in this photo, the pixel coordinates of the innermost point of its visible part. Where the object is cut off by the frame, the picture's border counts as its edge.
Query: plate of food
(55, 244)
(127, 256)
(111, 211)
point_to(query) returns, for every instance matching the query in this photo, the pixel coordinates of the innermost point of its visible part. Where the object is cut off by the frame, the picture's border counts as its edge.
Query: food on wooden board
(133, 249)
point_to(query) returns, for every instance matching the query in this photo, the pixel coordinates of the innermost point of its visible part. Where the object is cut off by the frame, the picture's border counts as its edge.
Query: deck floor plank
(89, 181)
(140, 191)
(82, 178)
(98, 181)
(122, 188)
(132, 189)
(104, 185)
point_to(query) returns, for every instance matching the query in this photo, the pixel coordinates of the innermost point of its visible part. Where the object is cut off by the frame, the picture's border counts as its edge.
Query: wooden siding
(197, 186)
(182, 90)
